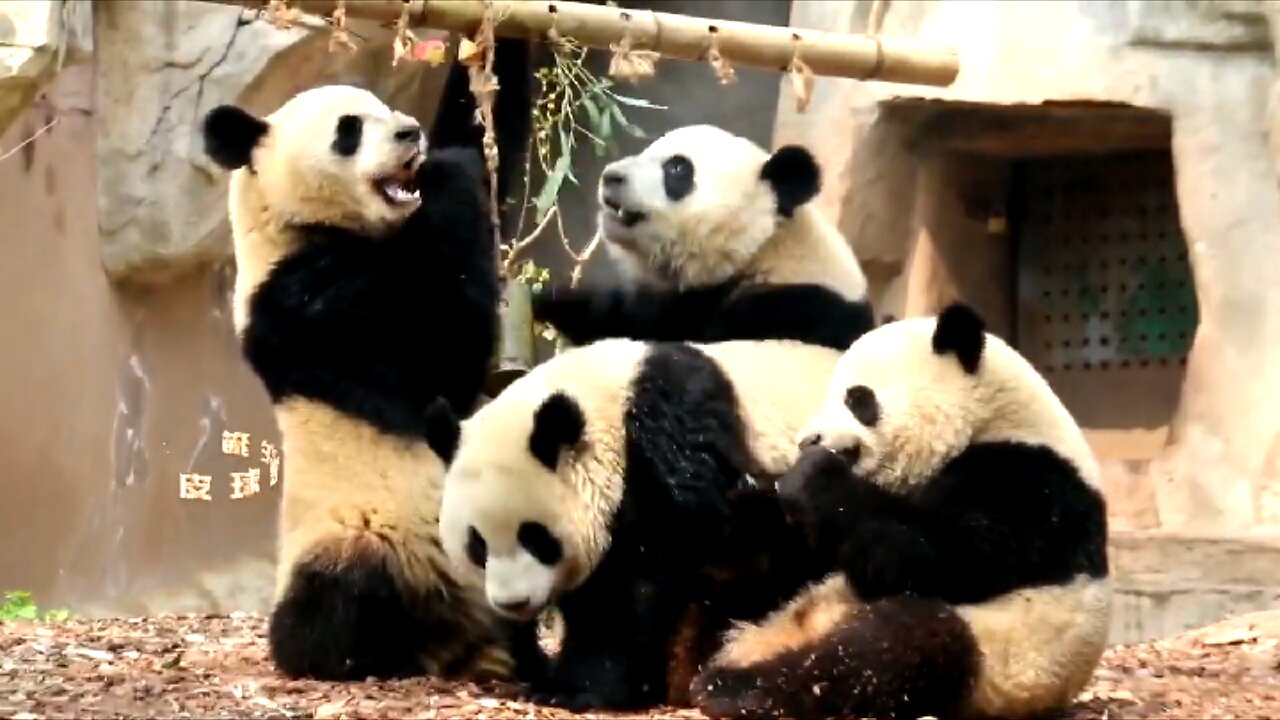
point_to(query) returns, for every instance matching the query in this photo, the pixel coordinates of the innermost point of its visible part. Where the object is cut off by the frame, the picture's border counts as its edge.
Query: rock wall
(909, 193)
(161, 67)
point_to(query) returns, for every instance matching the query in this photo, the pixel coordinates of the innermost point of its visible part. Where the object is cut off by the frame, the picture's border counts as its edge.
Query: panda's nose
(409, 134)
(613, 179)
(810, 441)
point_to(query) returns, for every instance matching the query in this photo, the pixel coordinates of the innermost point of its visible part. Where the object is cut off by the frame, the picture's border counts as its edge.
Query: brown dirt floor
(208, 667)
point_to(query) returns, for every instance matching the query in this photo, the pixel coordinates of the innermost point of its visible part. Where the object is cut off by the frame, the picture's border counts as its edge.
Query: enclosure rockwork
(1100, 182)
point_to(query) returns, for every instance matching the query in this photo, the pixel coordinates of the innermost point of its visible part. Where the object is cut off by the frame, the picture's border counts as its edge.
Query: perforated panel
(1106, 301)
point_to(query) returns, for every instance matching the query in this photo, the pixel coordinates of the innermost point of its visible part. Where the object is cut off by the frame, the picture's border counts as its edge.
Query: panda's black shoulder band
(962, 332)
(558, 423)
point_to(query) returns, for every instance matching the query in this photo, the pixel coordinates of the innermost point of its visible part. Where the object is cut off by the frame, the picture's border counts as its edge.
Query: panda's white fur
(959, 501)
(359, 257)
(598, 483)
(715, 239)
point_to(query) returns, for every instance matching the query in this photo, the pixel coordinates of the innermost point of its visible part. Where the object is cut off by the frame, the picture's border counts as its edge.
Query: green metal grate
(1103, 277)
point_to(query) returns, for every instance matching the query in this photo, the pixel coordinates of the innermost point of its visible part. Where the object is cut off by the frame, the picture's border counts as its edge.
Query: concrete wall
(901, 183)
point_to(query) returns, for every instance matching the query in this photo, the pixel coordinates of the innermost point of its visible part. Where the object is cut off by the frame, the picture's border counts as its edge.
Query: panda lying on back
(958, 500)
(366, 302)
(717, 241)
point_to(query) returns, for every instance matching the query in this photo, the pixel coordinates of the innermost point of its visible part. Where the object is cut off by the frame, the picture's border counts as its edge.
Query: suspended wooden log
(672, 36)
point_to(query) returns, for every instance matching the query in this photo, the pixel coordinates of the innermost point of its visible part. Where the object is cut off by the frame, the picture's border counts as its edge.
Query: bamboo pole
(672, 36)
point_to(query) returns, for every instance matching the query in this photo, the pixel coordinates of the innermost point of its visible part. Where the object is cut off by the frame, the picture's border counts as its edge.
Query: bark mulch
(207, 667)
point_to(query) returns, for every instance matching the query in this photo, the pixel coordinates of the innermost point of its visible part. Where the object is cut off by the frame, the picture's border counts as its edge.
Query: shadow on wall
(112, 393)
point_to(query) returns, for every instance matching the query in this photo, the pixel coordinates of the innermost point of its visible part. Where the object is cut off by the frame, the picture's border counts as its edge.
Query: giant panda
(958, 501)
(366, 302)
(604, 483)
(715, 239)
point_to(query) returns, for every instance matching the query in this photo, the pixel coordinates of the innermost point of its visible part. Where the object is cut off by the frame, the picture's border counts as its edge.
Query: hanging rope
(627, 63)
(724, 71)
(340, 38)
(802, 78)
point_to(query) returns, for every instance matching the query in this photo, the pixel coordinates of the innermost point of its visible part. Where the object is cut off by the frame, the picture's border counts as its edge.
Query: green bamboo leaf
(632, 130)
(593, 113)
(606, 126)
(566, 142)
(551, 188)
(636, 102)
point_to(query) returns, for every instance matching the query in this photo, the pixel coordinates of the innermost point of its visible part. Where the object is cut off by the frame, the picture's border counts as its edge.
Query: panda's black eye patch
(677, 177)
(346, 137)
(538, 541)
(861, 401)
(477, 548)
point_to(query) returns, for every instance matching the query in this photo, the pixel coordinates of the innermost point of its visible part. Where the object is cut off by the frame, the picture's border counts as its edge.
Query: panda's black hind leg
(344, 621)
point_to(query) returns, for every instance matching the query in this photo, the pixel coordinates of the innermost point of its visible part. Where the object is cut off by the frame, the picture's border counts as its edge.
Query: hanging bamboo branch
(672, 36)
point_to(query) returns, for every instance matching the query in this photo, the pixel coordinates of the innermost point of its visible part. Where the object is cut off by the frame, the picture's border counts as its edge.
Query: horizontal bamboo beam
(672, 36)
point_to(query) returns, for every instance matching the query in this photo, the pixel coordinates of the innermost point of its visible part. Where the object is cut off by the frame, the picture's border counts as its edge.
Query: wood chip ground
(216, 667)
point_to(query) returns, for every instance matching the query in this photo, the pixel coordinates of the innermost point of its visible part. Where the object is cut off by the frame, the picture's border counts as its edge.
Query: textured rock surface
(37, 37)
(161, 67)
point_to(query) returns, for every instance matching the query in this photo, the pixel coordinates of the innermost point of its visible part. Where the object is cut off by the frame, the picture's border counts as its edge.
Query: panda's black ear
(794, 176)
(231, 134)
(961, 331)
(442, 429)
(557, 424)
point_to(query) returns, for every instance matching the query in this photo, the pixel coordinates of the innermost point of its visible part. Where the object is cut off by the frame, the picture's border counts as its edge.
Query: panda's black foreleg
(586, 314)
(617, 633)
(870, 534)
(533, 666)
(803, 312)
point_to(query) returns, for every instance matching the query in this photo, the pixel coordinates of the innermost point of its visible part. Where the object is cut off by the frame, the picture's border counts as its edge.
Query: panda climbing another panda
(367, 304)
(957, 503)
(716, 239)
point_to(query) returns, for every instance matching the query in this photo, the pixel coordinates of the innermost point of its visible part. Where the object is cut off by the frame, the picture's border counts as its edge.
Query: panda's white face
(507, 513)
(499, 522)
(895, 408)
(910, 394)
(338, 155)
(692, 206)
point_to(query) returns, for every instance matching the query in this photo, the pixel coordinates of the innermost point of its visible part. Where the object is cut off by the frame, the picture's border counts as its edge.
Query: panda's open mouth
(398, 188)
(627, 218)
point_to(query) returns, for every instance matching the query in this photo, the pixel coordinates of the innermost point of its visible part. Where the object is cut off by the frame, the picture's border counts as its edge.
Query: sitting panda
(716, 240)
(603, 483)
(958, 500)
(367, 303)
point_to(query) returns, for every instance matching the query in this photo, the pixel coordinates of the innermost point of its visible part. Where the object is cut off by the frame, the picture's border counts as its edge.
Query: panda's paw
(818, 477)
(582, 315)
(549, 301)
(577, 695)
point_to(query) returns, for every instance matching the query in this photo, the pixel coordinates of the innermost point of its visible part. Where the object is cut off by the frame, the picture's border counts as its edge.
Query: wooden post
(672, 36)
